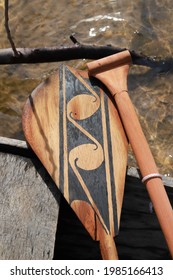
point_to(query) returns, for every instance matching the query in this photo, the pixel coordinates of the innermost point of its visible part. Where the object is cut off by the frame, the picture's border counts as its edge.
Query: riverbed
(143, 26)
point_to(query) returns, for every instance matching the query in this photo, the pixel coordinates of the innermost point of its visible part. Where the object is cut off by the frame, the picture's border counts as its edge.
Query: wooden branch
(8, 29)
(78, 51)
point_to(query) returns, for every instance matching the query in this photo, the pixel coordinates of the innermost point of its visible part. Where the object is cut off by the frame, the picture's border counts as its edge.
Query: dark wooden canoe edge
(21, 148)
(15, 147)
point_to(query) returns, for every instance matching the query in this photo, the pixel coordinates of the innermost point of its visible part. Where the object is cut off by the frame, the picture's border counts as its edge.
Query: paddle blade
(75, 130)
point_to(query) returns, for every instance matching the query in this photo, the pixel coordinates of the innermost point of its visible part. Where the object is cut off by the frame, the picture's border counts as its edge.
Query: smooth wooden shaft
(113, 71)
(107, 247)
(147, 165)
(162, 208)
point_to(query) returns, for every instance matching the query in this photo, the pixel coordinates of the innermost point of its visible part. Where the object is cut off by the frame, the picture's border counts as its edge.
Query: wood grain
(48, 134)
(29, 207)
(140, 235)
(75, 130)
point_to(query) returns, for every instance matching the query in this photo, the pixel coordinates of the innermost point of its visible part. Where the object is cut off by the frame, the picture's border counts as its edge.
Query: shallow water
(144, 26)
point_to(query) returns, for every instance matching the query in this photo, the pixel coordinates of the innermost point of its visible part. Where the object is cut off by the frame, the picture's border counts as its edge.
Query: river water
(143, 26)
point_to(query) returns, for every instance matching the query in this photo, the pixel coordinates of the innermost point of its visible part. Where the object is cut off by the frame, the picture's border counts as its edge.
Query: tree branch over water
(7, 28)
(78, 51)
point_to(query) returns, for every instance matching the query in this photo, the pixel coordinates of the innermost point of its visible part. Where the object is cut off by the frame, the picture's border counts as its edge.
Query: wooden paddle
(113, 71)
(75, 130)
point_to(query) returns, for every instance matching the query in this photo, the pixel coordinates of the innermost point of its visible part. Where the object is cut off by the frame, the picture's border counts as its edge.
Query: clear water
(144, 26)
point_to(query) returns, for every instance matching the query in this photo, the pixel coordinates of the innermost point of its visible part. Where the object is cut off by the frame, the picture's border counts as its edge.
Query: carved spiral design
(87, 156)
(83, 106)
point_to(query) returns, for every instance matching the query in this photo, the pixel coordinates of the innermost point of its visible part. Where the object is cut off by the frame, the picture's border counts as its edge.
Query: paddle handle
(147, 165)
(107, 247)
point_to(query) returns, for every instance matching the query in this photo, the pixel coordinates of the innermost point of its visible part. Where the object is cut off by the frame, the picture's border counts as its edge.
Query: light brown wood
(94, 226)
(45, 129)
(116, 81)
(76, 132)
(107, 247)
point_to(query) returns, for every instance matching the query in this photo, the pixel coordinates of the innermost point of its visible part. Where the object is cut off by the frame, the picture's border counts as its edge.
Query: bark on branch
(78, 51)
(8, 29)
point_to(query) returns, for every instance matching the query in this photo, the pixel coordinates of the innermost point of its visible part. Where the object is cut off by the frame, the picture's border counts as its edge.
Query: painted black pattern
(85, 135)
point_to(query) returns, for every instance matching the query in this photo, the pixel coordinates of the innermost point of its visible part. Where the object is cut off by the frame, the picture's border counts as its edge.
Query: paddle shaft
(147, 166)
(114, 76)
(107, 247)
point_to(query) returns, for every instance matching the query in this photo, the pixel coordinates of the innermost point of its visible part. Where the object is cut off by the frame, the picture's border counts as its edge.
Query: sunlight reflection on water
(144, 26)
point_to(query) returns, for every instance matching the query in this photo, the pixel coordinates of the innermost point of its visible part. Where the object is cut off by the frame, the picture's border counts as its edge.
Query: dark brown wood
(113, 71)
(29, 206)
(76, 132)
(80, 51)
